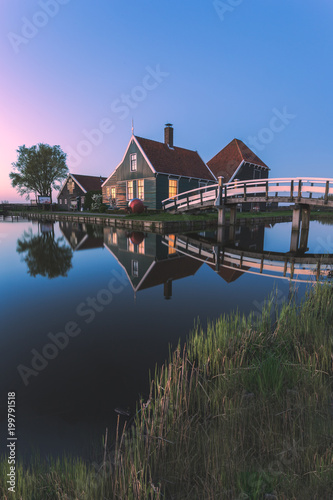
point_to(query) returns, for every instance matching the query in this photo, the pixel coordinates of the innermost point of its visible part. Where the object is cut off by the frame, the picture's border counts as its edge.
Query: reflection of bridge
(303, 268)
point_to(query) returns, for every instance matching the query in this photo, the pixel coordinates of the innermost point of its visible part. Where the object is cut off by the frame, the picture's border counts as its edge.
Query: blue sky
(75, 73)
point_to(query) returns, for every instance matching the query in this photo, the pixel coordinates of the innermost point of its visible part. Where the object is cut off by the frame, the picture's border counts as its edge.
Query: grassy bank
(244, 410)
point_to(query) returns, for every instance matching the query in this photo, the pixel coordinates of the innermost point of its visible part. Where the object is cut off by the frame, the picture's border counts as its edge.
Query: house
(153, 171)
(74, 189)
(237, 161)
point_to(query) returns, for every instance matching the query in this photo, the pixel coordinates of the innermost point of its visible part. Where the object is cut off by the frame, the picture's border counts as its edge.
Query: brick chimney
(168, 135)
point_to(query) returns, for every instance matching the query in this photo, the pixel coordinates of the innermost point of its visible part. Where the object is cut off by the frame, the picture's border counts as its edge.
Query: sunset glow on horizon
(75, 74)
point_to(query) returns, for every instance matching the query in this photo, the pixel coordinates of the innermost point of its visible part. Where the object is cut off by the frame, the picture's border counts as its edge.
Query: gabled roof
(85, 182)
(89, 182)
(229, 159)
(175, 161)
(172, 161)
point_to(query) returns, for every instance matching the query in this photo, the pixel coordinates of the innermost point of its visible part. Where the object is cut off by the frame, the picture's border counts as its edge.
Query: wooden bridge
(299, 268)
(306, 192)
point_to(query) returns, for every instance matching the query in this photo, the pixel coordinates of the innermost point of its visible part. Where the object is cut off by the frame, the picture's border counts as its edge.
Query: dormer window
(133, 162)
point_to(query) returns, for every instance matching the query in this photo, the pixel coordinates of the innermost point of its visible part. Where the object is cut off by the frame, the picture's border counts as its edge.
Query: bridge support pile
(300, 228)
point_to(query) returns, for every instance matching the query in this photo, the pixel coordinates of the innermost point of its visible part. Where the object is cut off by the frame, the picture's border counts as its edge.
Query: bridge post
(221, 216)
(300, 234)
(303, 244)
(221, 234)
(296, 223)
(295, 228)
(233, 214)
(305, 217)
(216, 250)
(219, 204)
(294, 240)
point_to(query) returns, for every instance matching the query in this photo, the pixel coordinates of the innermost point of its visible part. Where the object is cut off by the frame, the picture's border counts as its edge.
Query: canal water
(87, 311)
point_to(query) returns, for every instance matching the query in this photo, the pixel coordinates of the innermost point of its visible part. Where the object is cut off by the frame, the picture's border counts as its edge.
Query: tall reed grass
(243, 410)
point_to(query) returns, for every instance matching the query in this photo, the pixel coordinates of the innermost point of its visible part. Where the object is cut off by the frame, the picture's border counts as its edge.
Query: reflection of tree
(44, 255)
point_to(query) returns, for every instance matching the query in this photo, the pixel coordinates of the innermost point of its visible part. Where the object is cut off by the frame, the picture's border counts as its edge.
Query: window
(257, 173)
(70, 186)
(136, 247)
(141, 189)
(172, 243)
(108, 192)
(135, 268)
(112, 239)
(141, 247)
(130, 194)
(133, 162)
(60, 201)
(173, 187)
(130, 246)
(65, 201)
(113, 192)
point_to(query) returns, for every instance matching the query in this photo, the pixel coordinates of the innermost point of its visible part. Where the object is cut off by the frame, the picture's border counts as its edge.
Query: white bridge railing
(293, 189)
(202, 196)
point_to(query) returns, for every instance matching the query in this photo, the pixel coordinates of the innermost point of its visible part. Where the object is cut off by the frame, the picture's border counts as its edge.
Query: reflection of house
(153, 171)
(82, 237)
(237, 162)
(146, 261)
(72, 193)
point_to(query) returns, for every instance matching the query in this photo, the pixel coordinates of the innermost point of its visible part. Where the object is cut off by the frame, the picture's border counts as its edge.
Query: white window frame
(135, 268)
(177, 180)
(143, 189)
(127, 197)
(133, 162)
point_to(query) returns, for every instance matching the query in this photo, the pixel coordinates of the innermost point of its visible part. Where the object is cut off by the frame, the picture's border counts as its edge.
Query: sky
(75, 73)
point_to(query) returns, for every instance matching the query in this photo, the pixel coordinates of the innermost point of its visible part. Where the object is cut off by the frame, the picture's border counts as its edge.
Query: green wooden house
(154, 171)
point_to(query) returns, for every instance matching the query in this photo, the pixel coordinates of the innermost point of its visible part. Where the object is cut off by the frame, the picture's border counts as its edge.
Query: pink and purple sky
(75, 73)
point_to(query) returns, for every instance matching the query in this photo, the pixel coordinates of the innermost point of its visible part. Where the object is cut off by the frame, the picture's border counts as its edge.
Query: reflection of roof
(227, 161)
(79, 239)
(90, 243)
(228, 274)
(89, 182)
(173, 268)
(174, 161)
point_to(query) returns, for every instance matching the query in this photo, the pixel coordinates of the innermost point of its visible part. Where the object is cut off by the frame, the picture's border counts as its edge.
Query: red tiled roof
(174, 161)
(227, 161)
(89, 182)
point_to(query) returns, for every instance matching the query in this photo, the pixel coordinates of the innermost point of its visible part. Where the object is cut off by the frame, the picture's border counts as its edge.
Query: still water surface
(87, 311)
